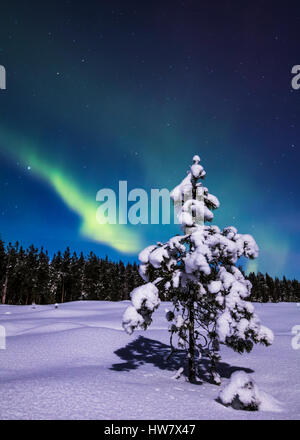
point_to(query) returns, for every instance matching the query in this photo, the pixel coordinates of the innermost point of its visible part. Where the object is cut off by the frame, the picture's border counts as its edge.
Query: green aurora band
(116, 236)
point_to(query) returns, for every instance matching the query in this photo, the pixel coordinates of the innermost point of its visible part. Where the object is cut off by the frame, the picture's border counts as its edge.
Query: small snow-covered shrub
(241, 392)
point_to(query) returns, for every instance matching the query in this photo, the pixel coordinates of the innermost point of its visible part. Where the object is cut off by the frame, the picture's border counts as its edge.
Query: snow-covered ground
(76, 362)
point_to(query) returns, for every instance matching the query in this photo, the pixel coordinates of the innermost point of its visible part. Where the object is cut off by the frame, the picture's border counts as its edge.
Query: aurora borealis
(127, 90)
(117, 236)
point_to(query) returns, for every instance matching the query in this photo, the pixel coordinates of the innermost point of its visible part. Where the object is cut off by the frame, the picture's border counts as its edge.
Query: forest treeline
(29, 275)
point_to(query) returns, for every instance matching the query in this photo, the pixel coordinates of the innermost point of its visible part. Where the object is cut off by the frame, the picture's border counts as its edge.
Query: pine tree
(55, 284)
(3, 264)
(31, 275)
(270, 284)
(254, 291)
(10, 264)
(76, 277)
(43, 278)
(263, 288)
(277, 293)
(295, 290)
(199, 268)
(18, 285)
(284, 289)
(92, 281)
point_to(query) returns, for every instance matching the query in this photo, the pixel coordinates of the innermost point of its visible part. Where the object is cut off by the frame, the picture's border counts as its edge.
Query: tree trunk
(191, 353)
(5, 289)
(63, 291)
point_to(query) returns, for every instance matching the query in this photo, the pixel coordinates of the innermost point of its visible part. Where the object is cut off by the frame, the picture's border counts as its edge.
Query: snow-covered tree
(198, 271)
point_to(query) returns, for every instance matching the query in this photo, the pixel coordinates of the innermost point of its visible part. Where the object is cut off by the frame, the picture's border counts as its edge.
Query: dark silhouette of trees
(29, 276)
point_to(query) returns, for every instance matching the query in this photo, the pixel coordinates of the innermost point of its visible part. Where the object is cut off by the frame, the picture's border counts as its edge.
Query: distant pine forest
(29, 276)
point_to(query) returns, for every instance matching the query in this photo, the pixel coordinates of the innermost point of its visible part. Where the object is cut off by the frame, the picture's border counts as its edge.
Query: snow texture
(76, 362)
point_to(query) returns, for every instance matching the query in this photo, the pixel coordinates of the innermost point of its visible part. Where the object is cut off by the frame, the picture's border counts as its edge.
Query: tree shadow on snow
(143, 351)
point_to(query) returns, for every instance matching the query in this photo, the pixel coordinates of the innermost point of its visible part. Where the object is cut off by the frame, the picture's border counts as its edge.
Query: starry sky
(103, 91)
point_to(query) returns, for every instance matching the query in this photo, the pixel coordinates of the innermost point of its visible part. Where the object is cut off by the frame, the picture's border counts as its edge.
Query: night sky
(102, 91)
